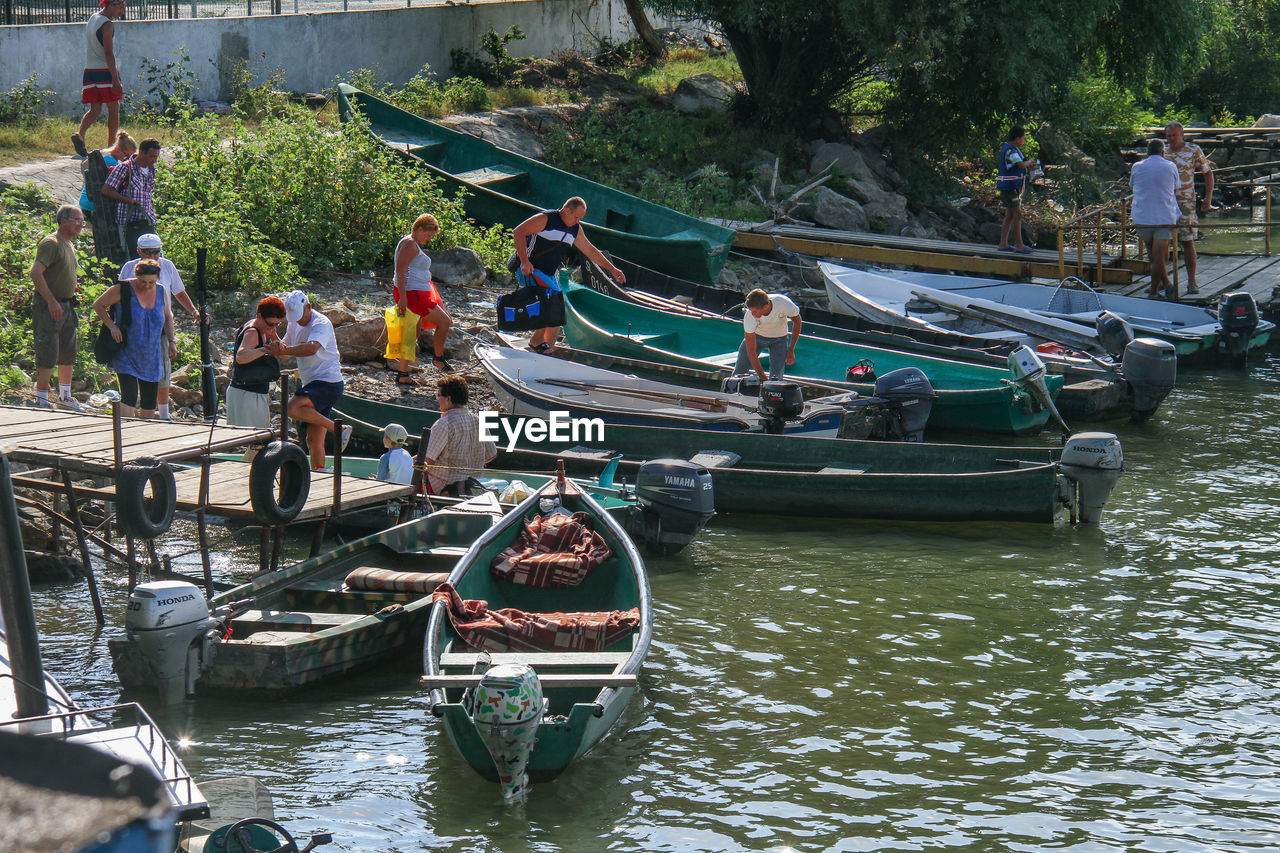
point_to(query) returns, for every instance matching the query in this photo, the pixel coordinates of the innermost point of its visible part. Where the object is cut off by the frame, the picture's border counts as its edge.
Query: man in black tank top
(542, 241)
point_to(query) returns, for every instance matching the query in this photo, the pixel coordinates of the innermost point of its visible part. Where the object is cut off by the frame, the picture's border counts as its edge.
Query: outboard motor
(1237, 321)
(506, 709)
(746, 384)
(1028, 374)
(1150, 367)
(899, 411)
(1114, 333)
(674, 500)
(779, 402)
(1092, 462)
(166, 623)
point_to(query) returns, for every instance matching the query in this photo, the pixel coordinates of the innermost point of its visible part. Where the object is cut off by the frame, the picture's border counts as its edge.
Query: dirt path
(61, 175)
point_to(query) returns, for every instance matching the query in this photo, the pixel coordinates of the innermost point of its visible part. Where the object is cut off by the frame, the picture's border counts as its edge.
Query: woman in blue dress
(139, 365)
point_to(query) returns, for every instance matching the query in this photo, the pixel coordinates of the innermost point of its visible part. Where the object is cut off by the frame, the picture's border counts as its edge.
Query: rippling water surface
(866, 686)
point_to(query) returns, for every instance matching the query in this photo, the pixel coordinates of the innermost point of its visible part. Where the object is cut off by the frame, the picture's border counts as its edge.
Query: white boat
(527, 383)
(1032, 312)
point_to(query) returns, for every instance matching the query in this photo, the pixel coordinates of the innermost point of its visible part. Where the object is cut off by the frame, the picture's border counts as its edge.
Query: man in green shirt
(53, 313)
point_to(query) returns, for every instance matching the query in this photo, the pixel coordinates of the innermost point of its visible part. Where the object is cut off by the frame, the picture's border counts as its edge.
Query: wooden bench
(537, 660)
(715, 458)
(417, 147)
(554, 679)
(836, 469)
(287, 619)
(487, 175)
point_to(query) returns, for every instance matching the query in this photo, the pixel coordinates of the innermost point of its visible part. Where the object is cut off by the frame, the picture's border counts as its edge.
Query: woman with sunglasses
(255, 366)
(139, 364)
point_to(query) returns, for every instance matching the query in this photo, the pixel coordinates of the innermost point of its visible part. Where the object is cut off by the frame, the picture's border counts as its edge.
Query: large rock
(1267, 120)
(516, 128)
(361, 341)
(832, 210)
(339, 314)
(460, 266)
(886, 211)
(182, 396)
(848, 161)
(702, 94)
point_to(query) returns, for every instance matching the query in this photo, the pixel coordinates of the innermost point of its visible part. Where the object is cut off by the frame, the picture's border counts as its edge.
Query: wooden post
(117, 446)
(277, 542)
(1174, 278)
(419, 475)
(1266, 240)
(1080, 250)
(264, 549)
(151, 553)
(336, 509)
(202, 526)
(284, 408)
(131, 553)
(1124, 229)
(1098, 240)
(1062, 255)
(82, 541)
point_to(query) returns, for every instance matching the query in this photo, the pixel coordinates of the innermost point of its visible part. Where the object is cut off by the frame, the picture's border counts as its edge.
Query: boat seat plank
(293, 618)
(715, 458)
(537, 660)
(487, 175)
(588, 453)
(552, 679)
(836, 469)
(728, 359)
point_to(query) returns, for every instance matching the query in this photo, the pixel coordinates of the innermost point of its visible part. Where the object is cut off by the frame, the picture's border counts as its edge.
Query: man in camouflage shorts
(1189, 159)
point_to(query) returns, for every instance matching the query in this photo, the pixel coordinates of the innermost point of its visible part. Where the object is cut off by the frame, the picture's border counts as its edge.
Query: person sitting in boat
(765, 324)
(396, 465)
(542, 241)
(455, 454)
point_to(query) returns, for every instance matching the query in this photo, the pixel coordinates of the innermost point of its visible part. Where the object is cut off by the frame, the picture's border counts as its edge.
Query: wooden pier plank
(1219, 274)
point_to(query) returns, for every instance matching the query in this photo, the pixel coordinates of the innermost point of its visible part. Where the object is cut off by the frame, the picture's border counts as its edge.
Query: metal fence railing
(14, 12)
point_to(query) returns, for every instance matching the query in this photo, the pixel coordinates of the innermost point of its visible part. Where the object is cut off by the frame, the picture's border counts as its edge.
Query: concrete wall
(313, 49)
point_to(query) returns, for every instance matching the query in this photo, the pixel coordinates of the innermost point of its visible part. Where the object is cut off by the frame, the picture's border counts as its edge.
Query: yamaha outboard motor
(899, 411)
(779, 402)
(674, 501)
(1237, 321)
(1150, 367)
(746, 384)
(1114, 333)
(1092, 462)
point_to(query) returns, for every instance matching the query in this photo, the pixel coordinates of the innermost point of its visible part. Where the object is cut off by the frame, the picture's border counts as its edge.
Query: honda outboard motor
(779, 402)
(674, 501)
(1028, 374)
(746, 384)
(1092, 462)
(1114, 333)
(1237, 321)
(1150, 367)
(166, 623)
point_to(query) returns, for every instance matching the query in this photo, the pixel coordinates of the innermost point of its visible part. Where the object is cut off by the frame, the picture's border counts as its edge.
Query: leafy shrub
(498, 69)
(255, 101)
(170, 86)
(24, 103)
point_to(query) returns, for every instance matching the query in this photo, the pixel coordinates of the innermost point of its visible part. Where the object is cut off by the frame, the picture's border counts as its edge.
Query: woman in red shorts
(413, 289)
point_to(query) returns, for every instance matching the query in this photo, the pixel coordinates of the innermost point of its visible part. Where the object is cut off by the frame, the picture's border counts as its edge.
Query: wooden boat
(585, 688)
(986, 306)
(778, 475)
(505, 188)
(344, 610)
(527, 383)
(970, 396)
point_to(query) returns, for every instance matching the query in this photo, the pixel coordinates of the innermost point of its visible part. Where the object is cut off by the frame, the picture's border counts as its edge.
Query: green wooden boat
(970, 396)
(305, 623)
(505, 188)
(586, 689)
(800, 476)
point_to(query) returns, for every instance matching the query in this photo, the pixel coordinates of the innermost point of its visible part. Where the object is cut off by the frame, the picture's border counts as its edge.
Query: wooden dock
(1219, 274)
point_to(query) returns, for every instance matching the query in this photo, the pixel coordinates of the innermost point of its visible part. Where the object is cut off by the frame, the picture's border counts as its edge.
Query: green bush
(24, 103)
(497, 70)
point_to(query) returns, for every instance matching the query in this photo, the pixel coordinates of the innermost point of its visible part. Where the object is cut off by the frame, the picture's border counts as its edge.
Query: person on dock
(53, 308)
(771, 321)
(1011, 180)
(139, 364)
(100, 83)
(310, 339)
(122, 149)
(1189, 159)
(396, 465)
(131, 185)
(255, 366)
(413, 289)
(542, 241)
(150, 246)
(1155, 209)
(455, 454)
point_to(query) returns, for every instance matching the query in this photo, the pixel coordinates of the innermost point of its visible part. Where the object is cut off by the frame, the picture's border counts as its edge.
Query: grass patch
(48, 137)
(679, 63)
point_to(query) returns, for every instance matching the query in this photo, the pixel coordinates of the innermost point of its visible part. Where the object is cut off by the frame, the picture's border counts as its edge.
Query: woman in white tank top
(414, 289)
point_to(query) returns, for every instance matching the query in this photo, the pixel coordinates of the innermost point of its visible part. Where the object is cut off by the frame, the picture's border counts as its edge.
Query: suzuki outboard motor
(1028, 374)
(779, 402)
(1114, 333)
(1150, 367)
(1237, 321)
(746, 384)
(910, 396)
(674, 501)
(166, 623)
(1092, 462)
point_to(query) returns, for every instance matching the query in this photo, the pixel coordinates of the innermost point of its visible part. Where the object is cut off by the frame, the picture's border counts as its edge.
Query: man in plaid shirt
(455, 453)
(130, 185)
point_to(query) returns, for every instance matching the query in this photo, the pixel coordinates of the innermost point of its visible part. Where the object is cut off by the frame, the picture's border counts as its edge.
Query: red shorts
(422, 303)
(96, 87)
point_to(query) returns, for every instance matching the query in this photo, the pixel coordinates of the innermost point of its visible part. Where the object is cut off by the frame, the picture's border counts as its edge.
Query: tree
(1241, 69)
(648, 36)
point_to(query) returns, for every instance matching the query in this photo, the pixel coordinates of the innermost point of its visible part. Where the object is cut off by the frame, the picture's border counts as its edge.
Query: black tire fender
(294, 468)
(139, 517)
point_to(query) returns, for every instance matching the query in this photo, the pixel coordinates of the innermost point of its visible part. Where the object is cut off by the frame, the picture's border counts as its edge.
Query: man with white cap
(311, 340)
(149, 246)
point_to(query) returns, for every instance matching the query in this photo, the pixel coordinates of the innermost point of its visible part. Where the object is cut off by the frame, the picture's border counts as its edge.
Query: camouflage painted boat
(356, 605)
(585, 689)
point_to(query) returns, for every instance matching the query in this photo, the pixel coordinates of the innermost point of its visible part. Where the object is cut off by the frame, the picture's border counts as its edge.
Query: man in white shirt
(1155, 210)
(310, 339)
(765, 324)
(149, 246)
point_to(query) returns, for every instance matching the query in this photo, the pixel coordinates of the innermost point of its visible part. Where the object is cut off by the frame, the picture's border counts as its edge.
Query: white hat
(149, 241)
(395, 432)
(294, 304)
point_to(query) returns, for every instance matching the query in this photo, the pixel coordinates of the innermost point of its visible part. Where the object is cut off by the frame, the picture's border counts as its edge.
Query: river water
(866, 686)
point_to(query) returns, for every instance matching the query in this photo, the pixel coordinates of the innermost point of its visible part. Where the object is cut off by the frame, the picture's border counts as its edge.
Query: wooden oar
(691, 401)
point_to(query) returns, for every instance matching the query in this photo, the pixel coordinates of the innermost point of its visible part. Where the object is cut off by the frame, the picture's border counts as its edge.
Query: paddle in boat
(537, 637)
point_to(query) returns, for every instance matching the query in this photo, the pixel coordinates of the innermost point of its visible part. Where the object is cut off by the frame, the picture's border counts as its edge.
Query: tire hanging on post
(293, 466)
(140, 517)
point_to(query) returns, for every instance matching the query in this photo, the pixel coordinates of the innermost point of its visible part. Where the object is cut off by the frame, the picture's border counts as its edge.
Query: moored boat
(533, 649)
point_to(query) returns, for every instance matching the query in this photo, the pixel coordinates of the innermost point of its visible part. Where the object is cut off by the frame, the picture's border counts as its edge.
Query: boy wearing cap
(310, 339)
(100, 83)
(396, 465)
